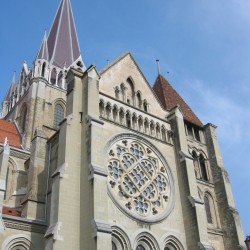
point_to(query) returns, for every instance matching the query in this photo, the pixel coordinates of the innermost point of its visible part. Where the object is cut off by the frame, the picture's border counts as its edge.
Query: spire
(11, 87)
(63, 46)
(43, 51)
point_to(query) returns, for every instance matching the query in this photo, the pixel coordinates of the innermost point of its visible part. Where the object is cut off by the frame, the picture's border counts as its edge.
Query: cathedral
(96, 160)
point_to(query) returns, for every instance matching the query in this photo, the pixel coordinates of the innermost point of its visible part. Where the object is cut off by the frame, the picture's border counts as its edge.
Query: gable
(123, 80)
(9, 130)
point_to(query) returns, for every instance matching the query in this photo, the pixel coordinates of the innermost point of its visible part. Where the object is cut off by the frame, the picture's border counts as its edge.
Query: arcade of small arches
(134, 121)
(54, 75)
(143, 241)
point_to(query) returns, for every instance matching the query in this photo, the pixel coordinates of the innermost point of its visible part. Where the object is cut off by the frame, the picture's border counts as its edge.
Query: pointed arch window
(58, 115)
(43, 70)
(208, 209)
(202, 163)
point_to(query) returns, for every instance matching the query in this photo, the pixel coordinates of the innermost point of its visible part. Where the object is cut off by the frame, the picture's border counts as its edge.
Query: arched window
(138, 99)
(140, 124)
(58, 115)
(115, 114)
(134, 121)
(101, 108)
(108, 111)
(43, 69)
(128, 120)
(114, 247)
(202, 163)
(130, 92)
(146, 126)
(121, 117)
(157, 131)
(145, 106)
(196, 165)
(208, 209)
(163, 134)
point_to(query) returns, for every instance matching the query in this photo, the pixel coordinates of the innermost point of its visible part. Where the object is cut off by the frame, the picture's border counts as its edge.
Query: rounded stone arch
(171, 242)
(101, 107)
(138, 96)
(130, 90)
(59, 110)
(120, 239)
(212, 207)
(18, 242)
(10, 178)
(140, 123)
(145, 240)
(121, 116)
(115, 111)
(108, 110)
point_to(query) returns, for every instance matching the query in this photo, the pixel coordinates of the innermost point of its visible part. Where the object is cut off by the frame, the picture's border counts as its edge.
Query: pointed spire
(43, 51)
(63, 46)
(11, 87)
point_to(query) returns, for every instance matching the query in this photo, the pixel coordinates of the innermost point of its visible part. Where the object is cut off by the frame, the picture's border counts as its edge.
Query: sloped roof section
(63, 46)
(169, 98)
(11, 88)
(43, 52)
(9, 130)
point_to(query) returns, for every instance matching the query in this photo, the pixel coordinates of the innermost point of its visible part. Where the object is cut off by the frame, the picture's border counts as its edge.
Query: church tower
(97, 160)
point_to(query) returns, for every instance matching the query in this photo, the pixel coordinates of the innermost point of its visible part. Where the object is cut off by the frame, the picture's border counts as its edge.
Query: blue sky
(204, 45)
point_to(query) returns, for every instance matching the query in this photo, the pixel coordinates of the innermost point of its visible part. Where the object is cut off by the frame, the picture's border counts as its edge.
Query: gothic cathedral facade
(97, 160)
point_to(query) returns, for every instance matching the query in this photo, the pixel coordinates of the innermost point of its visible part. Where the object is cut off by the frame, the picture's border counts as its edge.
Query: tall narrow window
(139, 101)
(145, 106)
(43, 69)
(208, 209)
(128, 120)
(58, 115)
(202, 163)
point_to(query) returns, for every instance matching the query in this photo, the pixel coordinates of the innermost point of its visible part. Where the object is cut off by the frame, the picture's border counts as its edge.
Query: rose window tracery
(139, 180)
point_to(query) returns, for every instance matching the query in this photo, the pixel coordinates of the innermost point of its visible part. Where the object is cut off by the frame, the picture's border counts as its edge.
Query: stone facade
(118, 170)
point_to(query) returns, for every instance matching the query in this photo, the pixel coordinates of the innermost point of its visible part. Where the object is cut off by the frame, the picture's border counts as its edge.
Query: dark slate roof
(63, 46)
(43, 51)
(9, 130)
(169, 98)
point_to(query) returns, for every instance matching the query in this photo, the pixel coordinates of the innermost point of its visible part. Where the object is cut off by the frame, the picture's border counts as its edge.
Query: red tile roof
(169, 98)
(9, 130)
(11, 211)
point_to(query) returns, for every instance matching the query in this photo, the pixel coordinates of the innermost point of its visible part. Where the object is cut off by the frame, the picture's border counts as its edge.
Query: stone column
(4, 161)
(230, 220)
(34, 202)
(192, 206)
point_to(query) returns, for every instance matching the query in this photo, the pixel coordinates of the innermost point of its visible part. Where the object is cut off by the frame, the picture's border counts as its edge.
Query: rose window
(139, 180)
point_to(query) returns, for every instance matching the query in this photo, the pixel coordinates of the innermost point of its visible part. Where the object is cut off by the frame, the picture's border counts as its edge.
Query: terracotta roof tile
(9, 130)
(169, 98)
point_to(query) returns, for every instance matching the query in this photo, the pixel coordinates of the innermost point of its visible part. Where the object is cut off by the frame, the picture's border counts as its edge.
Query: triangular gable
(124, 67)
(170, 98)
(9, 130)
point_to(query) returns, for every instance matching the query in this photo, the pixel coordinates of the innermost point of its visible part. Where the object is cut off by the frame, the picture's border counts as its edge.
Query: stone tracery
(139, 181)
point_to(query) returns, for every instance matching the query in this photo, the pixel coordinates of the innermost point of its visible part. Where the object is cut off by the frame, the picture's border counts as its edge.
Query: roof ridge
(43, 52)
